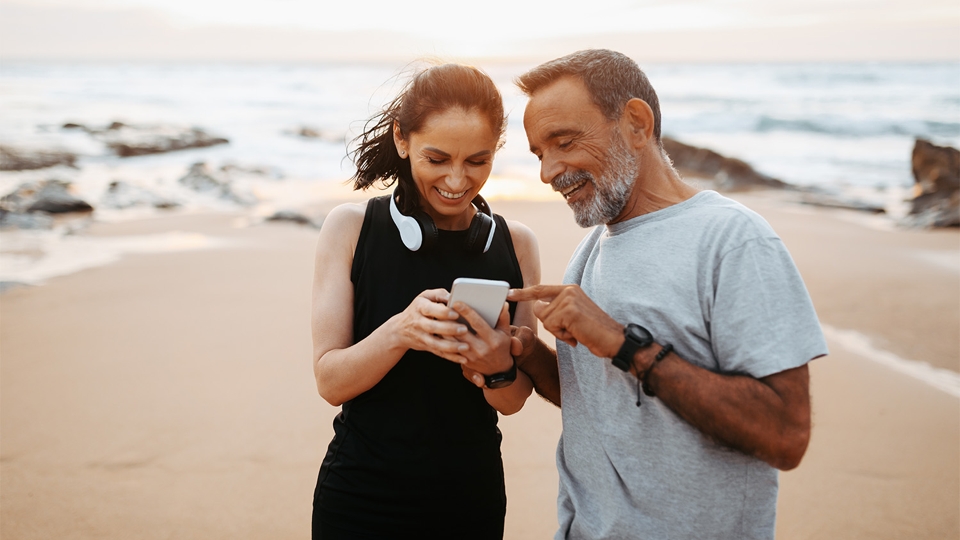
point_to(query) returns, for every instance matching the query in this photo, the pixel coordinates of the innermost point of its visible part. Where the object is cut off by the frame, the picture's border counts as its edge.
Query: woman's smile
(451, 195)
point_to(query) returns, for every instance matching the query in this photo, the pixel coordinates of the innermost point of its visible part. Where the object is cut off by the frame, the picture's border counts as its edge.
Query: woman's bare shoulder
(342, 225)
(528, 251)
(522, 236)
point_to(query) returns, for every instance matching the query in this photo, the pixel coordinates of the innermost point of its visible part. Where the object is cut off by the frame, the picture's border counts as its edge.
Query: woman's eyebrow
(436, 151)
(446, 155)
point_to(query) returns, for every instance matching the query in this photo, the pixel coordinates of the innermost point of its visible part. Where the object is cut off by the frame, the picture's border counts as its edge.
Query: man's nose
(549, 169)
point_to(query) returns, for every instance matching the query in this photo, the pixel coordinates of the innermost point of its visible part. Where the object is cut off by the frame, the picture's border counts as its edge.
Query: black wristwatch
(637, 337)
(502, 379)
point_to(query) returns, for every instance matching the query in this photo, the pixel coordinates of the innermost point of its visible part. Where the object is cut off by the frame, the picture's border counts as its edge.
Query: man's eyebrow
(563, 132)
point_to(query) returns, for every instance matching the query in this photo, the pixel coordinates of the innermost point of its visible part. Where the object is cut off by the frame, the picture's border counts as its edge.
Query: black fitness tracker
(637, 337)
(502, 379)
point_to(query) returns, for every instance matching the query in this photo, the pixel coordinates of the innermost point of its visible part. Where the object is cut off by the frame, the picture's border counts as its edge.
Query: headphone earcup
(482, 227)
(479, 233)
(409, 228)
(428, 229)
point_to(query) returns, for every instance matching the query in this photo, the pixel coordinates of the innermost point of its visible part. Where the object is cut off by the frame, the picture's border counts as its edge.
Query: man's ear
(637, 123)
(399, 141)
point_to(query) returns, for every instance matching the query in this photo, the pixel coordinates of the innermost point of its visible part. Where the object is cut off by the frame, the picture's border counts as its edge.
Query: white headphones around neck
(420, 232)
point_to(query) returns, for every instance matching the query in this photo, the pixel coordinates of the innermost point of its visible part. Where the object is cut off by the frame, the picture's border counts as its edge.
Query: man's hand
(569, 314)
(522, 342)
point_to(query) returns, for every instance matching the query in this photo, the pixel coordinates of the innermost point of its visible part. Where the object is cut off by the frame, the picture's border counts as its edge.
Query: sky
(311, 29)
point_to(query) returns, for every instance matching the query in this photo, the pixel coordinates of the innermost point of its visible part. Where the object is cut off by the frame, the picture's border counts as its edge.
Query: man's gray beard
(611, 191)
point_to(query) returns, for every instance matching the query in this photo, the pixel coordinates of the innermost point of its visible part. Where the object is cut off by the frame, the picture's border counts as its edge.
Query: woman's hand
(429, 325)
(488, 349)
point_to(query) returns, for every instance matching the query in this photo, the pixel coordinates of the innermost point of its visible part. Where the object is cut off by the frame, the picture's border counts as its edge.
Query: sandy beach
(171, 395)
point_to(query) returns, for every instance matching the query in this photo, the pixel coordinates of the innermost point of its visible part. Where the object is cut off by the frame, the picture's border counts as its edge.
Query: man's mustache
(566, 180)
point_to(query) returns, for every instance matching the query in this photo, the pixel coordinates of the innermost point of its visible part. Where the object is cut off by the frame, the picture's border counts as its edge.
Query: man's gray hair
(611, 78)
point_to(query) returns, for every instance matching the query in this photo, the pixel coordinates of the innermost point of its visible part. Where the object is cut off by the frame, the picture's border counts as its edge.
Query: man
(688, 294)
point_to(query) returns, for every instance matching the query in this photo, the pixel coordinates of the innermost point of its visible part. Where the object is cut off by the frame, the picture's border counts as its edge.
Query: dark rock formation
(21, 220)
(729, 174)
(201, 178)
(936, 171)
(294, 217)
(13, 159)
(124, 195)
(51, 196)
(311, 132)
(128, 141)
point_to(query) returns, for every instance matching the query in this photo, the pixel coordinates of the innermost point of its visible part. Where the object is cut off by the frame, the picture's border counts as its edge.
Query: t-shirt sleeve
(762, 321)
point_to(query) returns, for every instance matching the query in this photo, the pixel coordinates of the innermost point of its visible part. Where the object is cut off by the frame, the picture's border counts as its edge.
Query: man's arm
(538, 361)
(766, 418)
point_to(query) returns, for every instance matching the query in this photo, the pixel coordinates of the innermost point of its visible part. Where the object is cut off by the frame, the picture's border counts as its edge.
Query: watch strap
(636, 337)
(502, 379)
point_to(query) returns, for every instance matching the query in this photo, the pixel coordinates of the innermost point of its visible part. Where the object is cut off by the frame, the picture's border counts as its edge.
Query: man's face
(582, 154)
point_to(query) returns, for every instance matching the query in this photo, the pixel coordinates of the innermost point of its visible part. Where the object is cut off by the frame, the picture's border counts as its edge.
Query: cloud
(62, 32)
(691, 30)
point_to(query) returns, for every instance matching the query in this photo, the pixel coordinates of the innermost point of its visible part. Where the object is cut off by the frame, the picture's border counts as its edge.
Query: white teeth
(449, 195)
(570, 189)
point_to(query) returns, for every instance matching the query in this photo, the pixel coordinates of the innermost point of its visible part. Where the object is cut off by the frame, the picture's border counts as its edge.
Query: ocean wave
(849, 127)
(944, 380)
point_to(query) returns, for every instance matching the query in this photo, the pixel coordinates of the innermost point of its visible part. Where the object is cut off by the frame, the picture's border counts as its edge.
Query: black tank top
(420, 451)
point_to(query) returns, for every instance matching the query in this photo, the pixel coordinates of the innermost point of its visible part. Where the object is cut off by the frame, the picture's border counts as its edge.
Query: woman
(416, 450)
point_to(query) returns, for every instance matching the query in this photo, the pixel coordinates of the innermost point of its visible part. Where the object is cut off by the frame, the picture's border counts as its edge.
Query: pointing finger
(536, 292)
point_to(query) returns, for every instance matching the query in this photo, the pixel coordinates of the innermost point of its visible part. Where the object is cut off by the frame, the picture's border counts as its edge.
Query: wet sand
(171, 395)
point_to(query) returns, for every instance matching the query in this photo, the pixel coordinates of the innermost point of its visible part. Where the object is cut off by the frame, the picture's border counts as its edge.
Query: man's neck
(658, 185)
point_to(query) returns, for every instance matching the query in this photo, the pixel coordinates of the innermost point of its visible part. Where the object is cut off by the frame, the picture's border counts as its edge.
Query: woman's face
(451, 156)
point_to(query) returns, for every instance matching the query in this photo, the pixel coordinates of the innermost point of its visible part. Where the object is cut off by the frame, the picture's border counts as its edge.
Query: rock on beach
(128, 140)
(202, 179)
(730, 174)
(936, 171)
(18, 159)
(50, 196)
(122, 195)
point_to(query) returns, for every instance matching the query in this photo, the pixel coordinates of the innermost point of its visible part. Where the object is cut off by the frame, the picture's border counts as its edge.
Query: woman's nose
(457, 180)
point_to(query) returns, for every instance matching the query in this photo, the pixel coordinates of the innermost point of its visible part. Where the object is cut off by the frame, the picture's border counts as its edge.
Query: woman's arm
(510, 399)
(344, 370)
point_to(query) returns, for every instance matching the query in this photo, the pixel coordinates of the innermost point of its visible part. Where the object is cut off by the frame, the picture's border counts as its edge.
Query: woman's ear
(637, 123)
(399, 141)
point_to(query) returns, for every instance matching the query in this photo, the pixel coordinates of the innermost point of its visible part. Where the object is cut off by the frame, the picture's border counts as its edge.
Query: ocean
(844, 128)
(829, 125)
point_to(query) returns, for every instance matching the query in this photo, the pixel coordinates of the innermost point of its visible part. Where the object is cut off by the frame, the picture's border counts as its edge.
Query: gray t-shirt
(711, 277)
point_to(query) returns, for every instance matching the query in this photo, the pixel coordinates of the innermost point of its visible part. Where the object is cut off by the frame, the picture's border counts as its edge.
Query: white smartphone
(485, 296)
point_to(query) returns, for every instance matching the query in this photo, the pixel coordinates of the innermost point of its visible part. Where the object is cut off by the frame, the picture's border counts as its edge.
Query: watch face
(639, 334)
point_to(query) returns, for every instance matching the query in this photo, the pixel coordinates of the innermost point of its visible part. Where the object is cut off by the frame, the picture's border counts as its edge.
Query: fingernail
(463, 347)
(461, 329)
(452, 314)
(477, 380)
